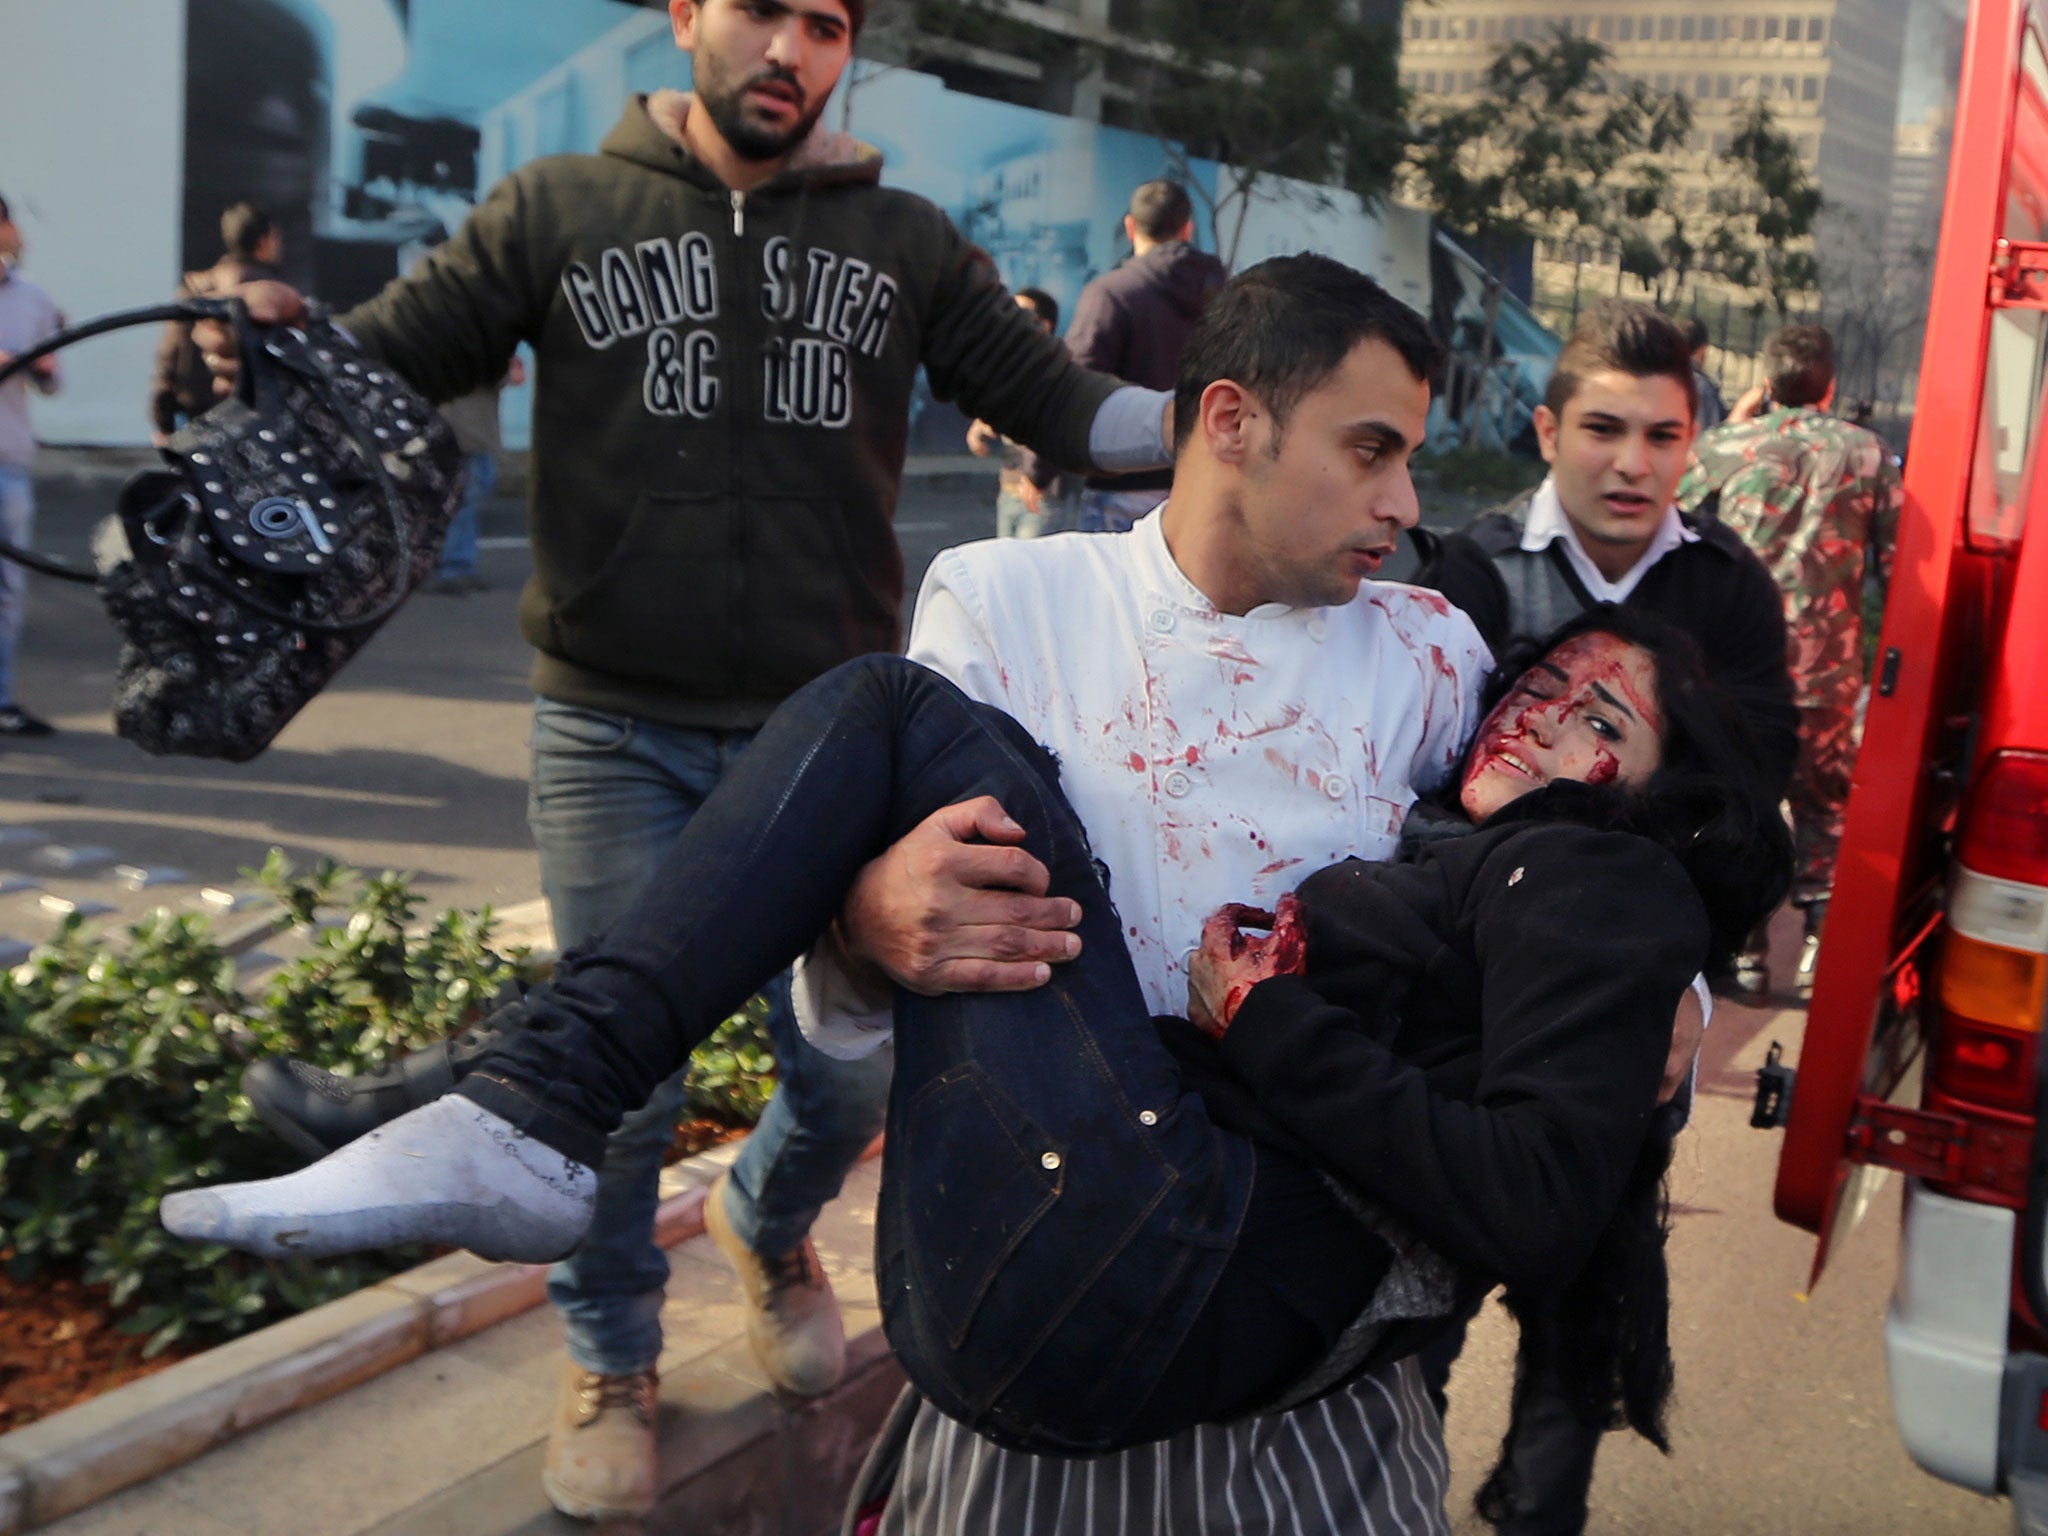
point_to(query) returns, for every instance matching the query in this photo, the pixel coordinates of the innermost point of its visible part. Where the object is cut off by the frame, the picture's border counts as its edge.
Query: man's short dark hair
(1043, 305)
(1696, 333)
(1799, 364)
(1161, 209)
(1622, 336)
(1281, 328)
(244, 226)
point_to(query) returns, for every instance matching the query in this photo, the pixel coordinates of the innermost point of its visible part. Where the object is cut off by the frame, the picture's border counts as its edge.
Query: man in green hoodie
(726, 310)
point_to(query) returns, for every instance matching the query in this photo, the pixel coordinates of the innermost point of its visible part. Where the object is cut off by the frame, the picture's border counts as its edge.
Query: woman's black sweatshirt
(1479, 1039)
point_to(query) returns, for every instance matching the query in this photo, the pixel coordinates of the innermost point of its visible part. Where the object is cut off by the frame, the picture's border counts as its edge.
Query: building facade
(1829, 70)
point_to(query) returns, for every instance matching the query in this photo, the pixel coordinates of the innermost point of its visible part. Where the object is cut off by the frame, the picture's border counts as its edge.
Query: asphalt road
(416, 759)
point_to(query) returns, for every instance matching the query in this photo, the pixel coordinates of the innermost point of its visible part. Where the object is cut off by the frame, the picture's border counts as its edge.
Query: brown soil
(59, 1346)
(694, 1136)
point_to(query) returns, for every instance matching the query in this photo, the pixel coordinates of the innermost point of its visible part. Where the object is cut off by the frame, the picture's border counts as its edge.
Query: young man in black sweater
(1616, 427)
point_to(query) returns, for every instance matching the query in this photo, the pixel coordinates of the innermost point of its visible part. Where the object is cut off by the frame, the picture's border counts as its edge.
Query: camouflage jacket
(1818, 500)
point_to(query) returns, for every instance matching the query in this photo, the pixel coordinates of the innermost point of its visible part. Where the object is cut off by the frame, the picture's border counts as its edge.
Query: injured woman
(1413, 1082)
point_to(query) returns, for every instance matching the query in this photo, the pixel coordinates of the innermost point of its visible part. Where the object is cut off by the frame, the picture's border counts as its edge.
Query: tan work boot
(600, 1462)
(792, 1318)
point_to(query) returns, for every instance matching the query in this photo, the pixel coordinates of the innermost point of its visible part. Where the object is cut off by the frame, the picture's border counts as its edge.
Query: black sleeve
(1746, 653)
(451, 326)
(1457, 567)
(1583, 941)
(999, 365)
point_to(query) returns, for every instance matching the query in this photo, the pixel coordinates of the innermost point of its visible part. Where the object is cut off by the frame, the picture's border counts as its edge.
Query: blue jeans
(458, 549)
(1114, 511)
(1014, 520)
(17, 526)
(1058, 1212)
(609, 795)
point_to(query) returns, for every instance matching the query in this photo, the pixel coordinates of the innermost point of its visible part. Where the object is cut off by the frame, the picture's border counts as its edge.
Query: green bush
(119, 1073)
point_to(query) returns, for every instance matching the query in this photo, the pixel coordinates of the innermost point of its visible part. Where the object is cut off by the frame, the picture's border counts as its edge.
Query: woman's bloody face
(1587, 711)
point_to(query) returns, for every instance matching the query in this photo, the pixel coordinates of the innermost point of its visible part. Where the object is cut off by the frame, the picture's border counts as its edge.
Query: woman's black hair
(1601, 1342)
(1709, 803)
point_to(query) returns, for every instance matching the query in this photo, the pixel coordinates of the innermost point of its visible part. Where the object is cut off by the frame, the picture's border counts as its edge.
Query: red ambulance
(1922, 1051)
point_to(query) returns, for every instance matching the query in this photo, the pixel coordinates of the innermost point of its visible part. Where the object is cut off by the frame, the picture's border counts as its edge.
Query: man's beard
(748, 139)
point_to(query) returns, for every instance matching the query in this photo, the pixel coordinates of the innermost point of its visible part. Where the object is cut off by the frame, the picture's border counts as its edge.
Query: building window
(1686, 27)
(1414, 26)
(1436, 27)
(1667, 28)
(1749, 29)
(1770, 28)
(1663, 82)
(1625, 30)
(1816, 29)
(1722, 85)
(1429, 81)
(1809, 88)
(1703, 87)
(1490, 30)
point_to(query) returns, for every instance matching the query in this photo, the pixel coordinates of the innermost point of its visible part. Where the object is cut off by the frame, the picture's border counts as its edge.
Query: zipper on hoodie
(744, 346)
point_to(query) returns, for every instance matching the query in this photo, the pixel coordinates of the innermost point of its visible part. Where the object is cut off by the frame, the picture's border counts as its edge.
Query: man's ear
(682, 21)
(1130, 229)
(1229, 421)
(1546, 432)
(1187, 232)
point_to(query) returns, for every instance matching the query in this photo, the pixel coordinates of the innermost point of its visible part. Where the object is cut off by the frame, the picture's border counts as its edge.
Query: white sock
(447, 1172)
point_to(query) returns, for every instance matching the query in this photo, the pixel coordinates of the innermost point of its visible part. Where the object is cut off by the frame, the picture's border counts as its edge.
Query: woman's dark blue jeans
(1056, 1209)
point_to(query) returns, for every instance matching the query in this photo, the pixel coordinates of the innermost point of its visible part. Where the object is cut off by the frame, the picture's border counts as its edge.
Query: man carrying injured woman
(1099, 1229)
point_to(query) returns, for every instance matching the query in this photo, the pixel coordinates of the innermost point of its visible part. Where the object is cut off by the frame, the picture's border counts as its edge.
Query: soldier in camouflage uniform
(1818, 500)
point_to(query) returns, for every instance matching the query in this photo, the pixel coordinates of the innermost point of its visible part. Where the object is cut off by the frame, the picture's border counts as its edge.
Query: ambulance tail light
(1993, 976)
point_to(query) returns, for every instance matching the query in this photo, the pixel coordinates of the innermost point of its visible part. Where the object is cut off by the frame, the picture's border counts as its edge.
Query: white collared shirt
(1212, 758)
(1547, 523)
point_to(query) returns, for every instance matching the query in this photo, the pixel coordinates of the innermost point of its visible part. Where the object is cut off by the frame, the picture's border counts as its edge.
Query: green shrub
(119, 1074)
(733, 1073)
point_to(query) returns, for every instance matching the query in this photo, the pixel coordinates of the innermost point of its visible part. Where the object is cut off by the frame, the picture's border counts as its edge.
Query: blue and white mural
(379, 122)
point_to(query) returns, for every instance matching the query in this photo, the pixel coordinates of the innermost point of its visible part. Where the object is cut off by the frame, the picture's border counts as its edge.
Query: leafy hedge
(119, 1066)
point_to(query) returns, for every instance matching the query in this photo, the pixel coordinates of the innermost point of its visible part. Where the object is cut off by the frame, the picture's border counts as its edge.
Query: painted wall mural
(378, 123)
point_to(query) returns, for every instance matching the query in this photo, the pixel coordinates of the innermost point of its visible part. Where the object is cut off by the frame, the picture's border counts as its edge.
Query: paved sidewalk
(451, 1443)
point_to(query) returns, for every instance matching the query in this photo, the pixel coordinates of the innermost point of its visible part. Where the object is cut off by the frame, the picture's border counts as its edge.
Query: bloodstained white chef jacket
(1212, 758)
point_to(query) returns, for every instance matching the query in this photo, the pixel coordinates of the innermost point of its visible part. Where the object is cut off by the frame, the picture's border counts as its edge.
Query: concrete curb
(59, 1465)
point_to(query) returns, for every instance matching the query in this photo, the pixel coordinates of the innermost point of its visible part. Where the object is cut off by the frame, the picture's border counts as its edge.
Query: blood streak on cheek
(1605, 768)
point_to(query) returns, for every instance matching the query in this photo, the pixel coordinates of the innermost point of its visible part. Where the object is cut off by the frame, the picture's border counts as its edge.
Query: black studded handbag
(287, 523)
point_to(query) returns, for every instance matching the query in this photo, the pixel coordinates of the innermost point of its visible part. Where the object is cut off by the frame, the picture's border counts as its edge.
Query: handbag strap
(253, 386)
(120, 320)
